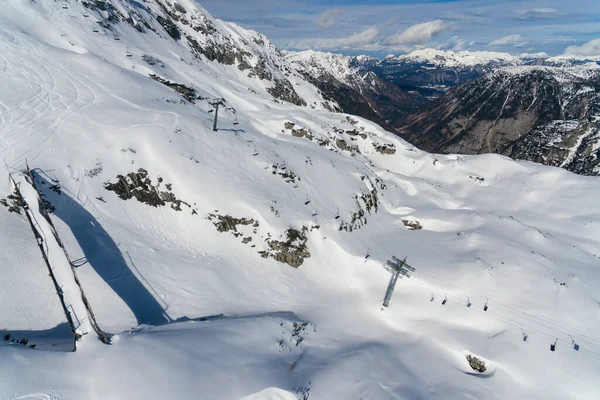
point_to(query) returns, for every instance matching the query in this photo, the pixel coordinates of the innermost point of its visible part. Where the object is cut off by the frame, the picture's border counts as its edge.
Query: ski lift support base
(399, 269)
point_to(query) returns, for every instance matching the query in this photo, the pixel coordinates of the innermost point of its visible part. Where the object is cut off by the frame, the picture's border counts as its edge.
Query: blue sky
(381, 27)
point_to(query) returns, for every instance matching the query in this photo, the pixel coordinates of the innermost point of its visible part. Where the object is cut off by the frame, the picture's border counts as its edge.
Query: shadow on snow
(58, 338)
(104, 256)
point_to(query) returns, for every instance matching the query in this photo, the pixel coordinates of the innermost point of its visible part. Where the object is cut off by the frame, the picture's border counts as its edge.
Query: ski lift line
(490, 299)
(511, 321)
(561, 331)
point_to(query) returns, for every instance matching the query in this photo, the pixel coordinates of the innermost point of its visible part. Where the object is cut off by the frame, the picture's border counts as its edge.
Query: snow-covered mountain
(432, 72)
(356, 89)
(452, 59)
(537, 113)
(249, 263)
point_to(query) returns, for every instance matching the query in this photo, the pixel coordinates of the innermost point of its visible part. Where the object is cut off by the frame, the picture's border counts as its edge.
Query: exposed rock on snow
(476, 363)
(291, 251)
(139, 185)
(412, 225)
(227, 223)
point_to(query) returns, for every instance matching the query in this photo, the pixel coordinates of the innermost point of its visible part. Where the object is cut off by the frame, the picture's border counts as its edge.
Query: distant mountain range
(530, 107)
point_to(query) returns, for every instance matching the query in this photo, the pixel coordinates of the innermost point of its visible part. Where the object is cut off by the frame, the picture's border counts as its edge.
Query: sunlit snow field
(197, 314)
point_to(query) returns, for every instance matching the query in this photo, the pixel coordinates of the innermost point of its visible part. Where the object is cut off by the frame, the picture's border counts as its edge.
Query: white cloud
(367, 39)
(368, 36)
(419, 33)
(327, 18)
(537, 13)
(510, 39)
(589, 49)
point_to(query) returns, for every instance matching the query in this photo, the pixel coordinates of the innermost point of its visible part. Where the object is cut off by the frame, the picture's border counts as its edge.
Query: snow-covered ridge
(565, 74)
(206, 38)
(317, 63)
(448, 58)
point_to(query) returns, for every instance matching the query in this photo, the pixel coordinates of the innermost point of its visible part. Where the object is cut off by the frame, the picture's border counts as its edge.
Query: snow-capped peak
(317, 63)
(450, 58)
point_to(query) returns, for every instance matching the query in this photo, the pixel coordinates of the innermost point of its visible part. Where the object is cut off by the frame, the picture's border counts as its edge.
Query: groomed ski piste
(194, 312)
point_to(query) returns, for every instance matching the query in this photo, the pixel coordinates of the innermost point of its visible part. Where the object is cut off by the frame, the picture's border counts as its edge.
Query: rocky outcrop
(292, 251)
(284, 90)
(138, 185)
(476, 363)
(187, 92)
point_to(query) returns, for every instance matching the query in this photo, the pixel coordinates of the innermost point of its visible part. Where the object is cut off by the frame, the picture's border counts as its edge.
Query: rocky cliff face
(543, 114)
(356, 89)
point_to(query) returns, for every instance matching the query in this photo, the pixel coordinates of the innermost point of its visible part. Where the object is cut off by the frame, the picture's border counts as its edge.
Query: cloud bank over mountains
(553, 27)
(373, 38)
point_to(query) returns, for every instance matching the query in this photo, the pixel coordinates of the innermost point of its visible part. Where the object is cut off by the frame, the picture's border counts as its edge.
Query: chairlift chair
(485, 307)
(468, 302)
(307, 202)
(575, 345)
(445, 300)
(368, 254)
(337, 214)
(525, 335)
(553, 345)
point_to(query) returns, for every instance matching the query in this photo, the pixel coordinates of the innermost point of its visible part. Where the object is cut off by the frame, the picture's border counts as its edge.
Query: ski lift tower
(216, 103)
(399, 268)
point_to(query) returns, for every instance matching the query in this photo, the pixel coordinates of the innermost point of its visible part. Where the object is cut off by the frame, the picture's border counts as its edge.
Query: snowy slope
(199, 313)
